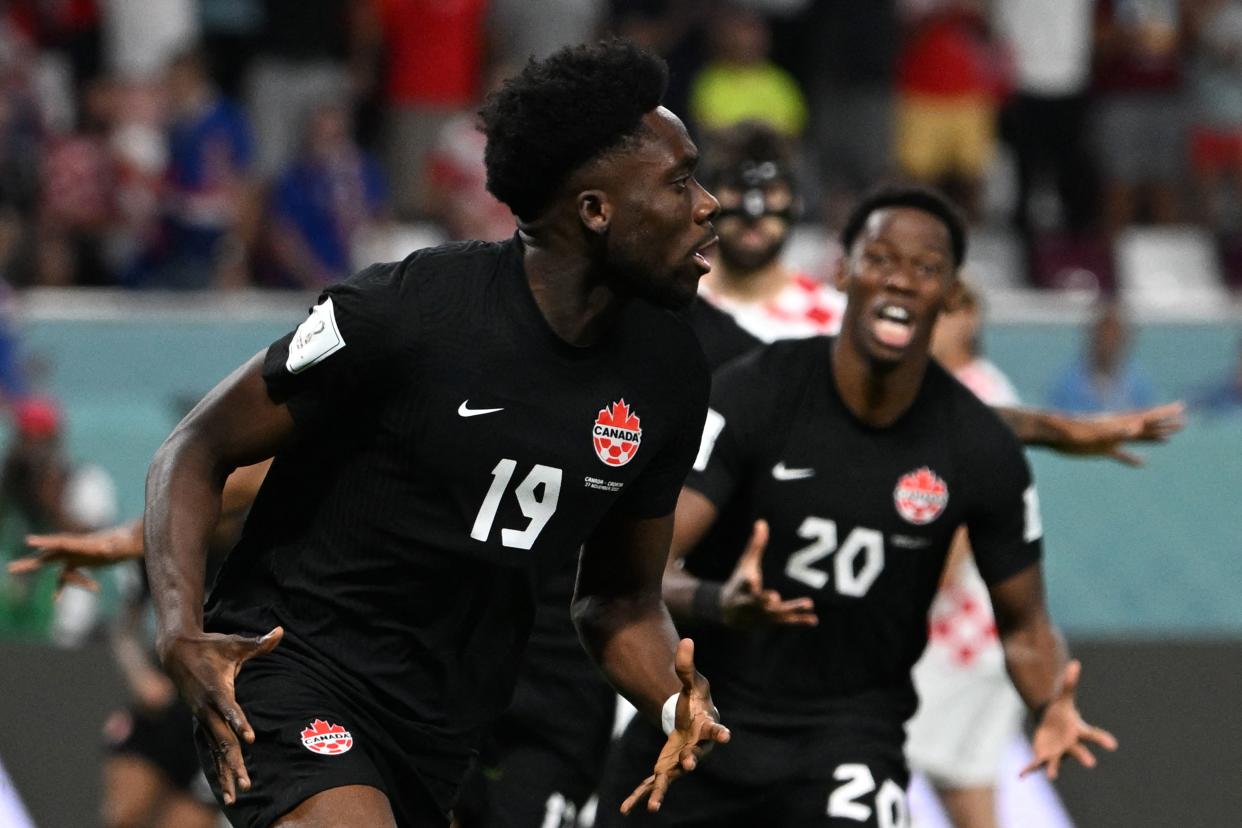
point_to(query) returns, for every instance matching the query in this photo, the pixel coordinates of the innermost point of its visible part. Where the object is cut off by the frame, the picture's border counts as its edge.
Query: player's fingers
(1125, 457)
(1101, 737)
(797, 619)
(753, 554)
(220, 700)
(1032, 766)
(75, 577)
(659, 787)
(714, 732)
(230, 769)
(688, 758)
(639, 793)
(247, 647)
(683, 662)
(1069, 678)
(22, 566)
(1054, 766)
(1084, 756)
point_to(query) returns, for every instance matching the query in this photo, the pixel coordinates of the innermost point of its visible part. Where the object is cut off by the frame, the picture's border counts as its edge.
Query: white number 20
(890, 801)
(849, 581)
(538, 507)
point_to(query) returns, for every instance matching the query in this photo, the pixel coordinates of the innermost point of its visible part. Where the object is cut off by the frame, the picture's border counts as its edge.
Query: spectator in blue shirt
(1225, 397)
(207, 191)
(1104, 378)
(320, 203)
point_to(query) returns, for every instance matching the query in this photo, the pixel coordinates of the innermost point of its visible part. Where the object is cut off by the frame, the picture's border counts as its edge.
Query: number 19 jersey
(861, 521)
(450, 451)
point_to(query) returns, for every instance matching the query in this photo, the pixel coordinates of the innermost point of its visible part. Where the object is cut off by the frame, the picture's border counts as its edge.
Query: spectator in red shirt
(948, 78)
(432, 52)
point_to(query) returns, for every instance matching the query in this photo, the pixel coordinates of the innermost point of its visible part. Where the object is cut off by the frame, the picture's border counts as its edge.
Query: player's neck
(954, 359)
(877, 395)
(750, 287)
(577, 303)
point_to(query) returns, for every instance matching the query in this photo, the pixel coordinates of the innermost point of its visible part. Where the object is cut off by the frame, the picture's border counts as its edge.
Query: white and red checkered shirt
(804, 307)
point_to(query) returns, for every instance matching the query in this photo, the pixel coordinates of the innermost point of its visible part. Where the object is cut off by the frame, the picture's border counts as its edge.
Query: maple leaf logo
(921, 496)
(617, 433)
(326, 738)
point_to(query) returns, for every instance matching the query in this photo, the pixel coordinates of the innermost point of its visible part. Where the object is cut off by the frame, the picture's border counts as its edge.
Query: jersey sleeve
(1004, 523)
(656, 490)
(337, 357)
(723, 459)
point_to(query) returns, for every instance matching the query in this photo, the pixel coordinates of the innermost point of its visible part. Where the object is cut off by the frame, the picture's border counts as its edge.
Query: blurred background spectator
(41, 490)
(740, 81)
(1104, 378)
(321, 202)
(1140, 111)
(150, 145)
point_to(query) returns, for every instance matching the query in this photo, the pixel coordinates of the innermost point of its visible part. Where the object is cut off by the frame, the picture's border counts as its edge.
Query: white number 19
(538, 507)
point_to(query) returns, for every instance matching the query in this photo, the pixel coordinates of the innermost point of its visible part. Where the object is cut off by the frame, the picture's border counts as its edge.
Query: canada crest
(920, 496)
(326, 739)
(616, 434)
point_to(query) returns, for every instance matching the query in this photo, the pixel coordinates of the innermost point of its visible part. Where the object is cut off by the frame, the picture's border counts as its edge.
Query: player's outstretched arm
(75, 551)
(741, 601)
(236, 424)
(626, 628)
(1097, 435)
(1036, 660)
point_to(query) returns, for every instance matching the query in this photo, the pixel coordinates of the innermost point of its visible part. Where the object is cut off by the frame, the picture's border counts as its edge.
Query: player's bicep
(1018, 602)
(624, 557)
(695, 515)
(238, 421)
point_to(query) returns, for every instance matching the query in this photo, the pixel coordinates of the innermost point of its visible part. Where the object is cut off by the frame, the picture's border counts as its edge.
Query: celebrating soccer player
(863, 457)
(446, 430)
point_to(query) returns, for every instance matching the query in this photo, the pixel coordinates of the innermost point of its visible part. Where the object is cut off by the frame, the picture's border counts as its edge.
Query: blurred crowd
(227, 143)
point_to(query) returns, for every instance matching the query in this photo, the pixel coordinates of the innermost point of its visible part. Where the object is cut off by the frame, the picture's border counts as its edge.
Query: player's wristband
(706, 603)
(1037, 714)
(668, 715)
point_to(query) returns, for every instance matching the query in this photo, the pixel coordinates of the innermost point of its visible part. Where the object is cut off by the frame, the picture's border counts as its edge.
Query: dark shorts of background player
(544, 758)
(775, 778)
(163, 739)
(280, 702)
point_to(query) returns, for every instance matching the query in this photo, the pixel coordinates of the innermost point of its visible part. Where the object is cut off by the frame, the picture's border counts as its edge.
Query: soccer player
(446, 430)
(750, 169)
(862, 457)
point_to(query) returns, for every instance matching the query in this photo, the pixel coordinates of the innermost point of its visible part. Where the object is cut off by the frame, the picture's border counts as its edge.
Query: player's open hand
(74, 551)
(204, 668)
(1107, 434)
(697, 728)
(1063, 731)
(745, 603)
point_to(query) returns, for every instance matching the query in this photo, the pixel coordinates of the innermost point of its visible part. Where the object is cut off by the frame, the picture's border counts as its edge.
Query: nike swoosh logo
(780, 472)
(464, 410)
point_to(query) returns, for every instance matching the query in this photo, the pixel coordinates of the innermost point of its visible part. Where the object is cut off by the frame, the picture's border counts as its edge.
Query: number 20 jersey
(861, 520)
(450, 452)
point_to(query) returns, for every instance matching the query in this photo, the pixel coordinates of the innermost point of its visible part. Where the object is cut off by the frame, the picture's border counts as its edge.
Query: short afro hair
(751, 141)
(561, 112)
(920, 198)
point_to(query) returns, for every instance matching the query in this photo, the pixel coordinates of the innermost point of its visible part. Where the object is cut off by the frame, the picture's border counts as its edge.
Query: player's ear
(595, 210)
(955, 295)
(840, 275)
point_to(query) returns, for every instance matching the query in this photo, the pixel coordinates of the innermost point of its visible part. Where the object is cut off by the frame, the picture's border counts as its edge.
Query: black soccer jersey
(451, 450)
(861, 520)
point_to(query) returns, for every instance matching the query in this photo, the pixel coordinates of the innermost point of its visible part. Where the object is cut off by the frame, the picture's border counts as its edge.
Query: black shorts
(310, 738)
(165, 740)
(850, 783)
(544, 757)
